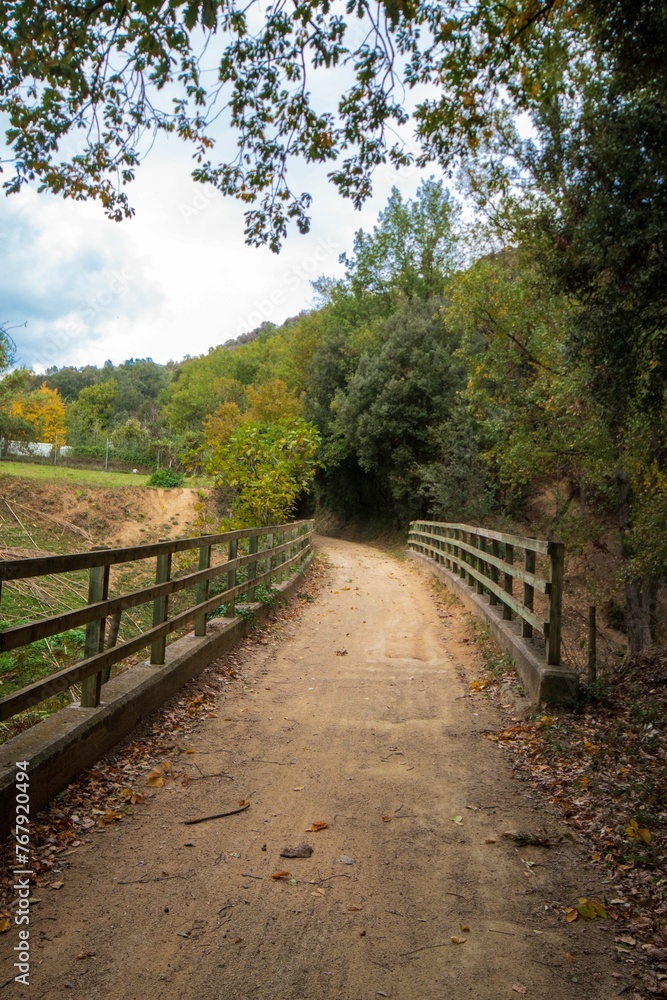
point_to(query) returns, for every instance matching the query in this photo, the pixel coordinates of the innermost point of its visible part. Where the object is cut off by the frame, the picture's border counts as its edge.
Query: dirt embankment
(355, 733)
(71, 517)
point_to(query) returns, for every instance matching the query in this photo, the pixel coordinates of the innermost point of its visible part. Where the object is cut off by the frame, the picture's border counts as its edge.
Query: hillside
(60, 517)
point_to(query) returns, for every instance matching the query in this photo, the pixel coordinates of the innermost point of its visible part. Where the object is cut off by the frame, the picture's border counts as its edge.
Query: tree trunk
(640, 613)
(641, 595)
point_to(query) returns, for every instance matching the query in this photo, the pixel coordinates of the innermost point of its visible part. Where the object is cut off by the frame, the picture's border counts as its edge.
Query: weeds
(496, 661)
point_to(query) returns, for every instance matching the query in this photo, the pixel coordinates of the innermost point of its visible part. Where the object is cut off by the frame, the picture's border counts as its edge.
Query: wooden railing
(284, 549)
(488, 560)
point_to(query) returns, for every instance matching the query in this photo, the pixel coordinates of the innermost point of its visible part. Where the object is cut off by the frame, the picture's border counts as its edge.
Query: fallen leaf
(353, 909)
(659, 954)
(5, 924)
(109, 816)
(155, 779)
(489, 840)
(518, 988)
(568, 958)
(589, 909)
(56, 885)
(457, 819)
(134, 798)
(386, 819)
(278, 875)
(570, 914)
(465, 928)
(637, 832)
(299, 788)
(457, 940)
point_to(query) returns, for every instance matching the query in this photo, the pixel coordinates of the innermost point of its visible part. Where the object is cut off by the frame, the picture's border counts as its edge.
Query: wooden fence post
(269, 557)
(556, 552)
(528, 594)
(160, 607)
(252, 568)
(481, 564)
(230, 606)
(509, 581)
(98, 590)
(280, 559)
(493, 570)
(202, 589)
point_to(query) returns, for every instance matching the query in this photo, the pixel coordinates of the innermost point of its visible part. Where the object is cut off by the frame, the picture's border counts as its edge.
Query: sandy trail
(361, 712)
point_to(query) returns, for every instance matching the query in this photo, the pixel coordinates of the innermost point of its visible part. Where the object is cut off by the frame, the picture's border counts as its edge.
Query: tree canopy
(85, 88)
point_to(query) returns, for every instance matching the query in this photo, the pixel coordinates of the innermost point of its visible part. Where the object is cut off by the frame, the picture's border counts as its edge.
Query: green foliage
(14, 427)
(457, 484)
(266, 595)
(391, 404)
(129, 67)
(90, 415)
(39, 659)
(410, 252)
(267, 467)
(7, 349)
(166, 478)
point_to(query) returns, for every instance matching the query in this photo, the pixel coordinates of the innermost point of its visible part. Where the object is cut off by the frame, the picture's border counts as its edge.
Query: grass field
(92, 478)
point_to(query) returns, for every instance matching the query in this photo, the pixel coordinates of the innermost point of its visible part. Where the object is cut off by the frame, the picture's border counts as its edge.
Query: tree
(44, 411)
(13, 386)
(271, 402)
(599, 233)
(90, 415)
(111, 72)
(267, 467)
(7, 349)
(412, 249)
(391, 404)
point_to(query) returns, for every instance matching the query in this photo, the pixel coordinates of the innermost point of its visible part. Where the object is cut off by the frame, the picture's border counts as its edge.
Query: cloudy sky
(174, 280)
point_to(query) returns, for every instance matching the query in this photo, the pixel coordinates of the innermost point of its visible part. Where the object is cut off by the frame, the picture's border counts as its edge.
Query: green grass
(85, 477)
(76, 477)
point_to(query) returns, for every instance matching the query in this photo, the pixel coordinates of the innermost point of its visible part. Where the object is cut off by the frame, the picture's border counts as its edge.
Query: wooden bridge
(480, 564)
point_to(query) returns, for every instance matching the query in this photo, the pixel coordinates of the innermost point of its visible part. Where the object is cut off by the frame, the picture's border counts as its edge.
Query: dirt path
(361, 718)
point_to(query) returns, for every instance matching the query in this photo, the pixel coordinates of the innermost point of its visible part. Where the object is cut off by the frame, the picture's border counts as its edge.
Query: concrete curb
(543, 683)
(73, 739)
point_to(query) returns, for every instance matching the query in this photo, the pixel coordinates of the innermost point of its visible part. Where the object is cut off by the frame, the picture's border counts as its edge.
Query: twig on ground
(230, 812)
(282, 763)
(158, 878)
(424, 947)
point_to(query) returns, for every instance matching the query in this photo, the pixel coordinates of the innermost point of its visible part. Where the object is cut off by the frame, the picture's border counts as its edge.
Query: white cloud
(174, 280)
